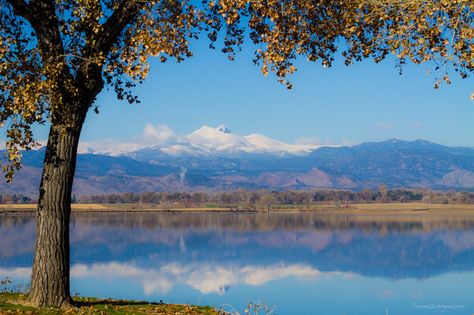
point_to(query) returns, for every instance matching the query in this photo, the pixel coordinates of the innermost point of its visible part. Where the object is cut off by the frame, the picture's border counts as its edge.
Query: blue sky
(363, 102)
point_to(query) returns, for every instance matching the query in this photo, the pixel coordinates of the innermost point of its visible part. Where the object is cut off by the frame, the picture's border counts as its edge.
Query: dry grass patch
(13, 303)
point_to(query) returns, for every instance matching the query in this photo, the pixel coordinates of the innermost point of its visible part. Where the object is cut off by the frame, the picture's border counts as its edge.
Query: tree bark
(50, 276)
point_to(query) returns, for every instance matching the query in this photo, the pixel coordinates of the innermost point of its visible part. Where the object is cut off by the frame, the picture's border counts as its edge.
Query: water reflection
(357, 265)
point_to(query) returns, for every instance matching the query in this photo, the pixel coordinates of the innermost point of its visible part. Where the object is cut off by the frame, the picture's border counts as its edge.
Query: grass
(409, 209)
(15, 303)
(377, 209)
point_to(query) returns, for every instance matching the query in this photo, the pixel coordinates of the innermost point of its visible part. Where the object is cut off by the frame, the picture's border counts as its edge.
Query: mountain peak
(399, 143)
(232, 161)
(416, 141)
(223, 128)
(207, 130)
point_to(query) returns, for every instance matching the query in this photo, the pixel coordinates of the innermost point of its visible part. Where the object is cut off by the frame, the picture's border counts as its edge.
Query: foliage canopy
(53, 53)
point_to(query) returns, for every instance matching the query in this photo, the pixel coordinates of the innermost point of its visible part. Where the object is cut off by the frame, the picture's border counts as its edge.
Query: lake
(294, 263)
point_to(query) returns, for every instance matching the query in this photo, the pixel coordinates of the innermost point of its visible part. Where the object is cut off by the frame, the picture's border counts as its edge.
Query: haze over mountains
(214, 159)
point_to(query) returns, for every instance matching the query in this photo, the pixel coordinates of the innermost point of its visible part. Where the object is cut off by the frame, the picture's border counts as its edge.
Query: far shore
(377, 209)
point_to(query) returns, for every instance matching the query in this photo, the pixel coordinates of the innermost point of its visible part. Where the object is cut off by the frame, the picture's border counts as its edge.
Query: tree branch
(103, 41)
(20, 7)
(41, 14)
(116, 24)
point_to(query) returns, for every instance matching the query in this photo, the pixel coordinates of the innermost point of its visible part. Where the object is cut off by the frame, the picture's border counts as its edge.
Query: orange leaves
(438, 31)
(161, 30)
(441, 31)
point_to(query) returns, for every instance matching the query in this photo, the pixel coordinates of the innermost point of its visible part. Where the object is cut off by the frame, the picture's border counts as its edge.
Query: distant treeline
(263, 198)
(291, 197)
(15, 198)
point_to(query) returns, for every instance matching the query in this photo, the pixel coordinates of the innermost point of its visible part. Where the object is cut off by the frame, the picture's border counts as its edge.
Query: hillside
(396, 163)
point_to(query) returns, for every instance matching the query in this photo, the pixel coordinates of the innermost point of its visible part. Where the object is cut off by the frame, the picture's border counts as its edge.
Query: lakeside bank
(15, 303)
(377, 209)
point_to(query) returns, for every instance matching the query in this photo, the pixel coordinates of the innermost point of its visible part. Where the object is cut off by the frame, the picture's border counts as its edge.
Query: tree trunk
(50, 276)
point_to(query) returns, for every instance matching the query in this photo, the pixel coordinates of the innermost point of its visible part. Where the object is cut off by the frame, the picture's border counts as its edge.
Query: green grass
(14, 303)
(212, 206)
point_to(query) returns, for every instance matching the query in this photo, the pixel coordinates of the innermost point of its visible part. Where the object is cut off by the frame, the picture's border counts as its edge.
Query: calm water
(296, 263)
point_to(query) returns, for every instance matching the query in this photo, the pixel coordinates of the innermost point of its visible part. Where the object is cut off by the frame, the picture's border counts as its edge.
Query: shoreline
(17, 303)
(372, 209)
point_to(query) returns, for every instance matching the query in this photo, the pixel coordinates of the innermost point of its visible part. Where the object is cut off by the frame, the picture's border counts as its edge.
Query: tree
(56, 56)
(383, 191)
(266, 202)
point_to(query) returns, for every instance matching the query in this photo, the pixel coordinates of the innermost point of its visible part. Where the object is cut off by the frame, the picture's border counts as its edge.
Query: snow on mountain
(160, 141)
(261, 143)
(215, 139)
(395, 163)
(221, 141)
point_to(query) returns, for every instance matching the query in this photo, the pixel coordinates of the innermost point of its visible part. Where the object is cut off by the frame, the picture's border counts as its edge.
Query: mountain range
(160, 142)
(224, 161)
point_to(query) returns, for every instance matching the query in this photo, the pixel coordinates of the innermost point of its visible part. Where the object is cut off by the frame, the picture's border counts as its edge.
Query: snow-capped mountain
(219, 141)
(395, 163)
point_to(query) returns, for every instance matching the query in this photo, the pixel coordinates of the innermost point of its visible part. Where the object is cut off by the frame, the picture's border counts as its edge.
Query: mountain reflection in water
(302, 263)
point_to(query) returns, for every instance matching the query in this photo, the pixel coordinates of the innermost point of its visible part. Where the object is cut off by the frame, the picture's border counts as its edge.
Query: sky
(337, 105)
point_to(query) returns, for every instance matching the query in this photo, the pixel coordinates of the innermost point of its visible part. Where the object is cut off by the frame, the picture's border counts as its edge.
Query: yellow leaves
(264, 69)
(20, 137)
(160, 36)
(25, 88)
(32, 88)
(413, 30)
(352, 29)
